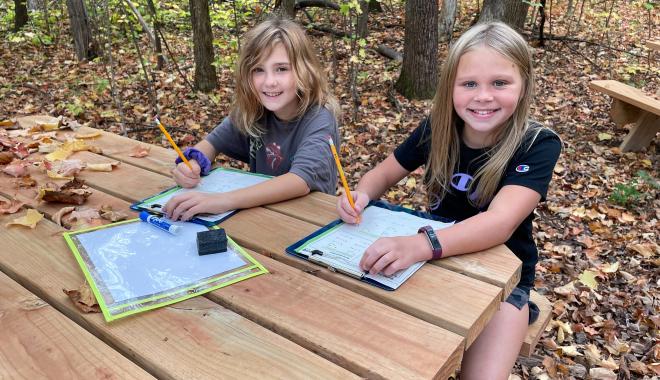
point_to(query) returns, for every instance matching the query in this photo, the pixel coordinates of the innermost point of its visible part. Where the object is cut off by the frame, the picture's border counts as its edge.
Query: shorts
(518, 298)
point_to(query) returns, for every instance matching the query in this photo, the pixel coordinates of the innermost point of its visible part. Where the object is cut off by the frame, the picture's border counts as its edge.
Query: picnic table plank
(39, 342)
(433, 294)
(653, 44)
(159, 159)
(195, 338)
(493, 265)
(362, 335)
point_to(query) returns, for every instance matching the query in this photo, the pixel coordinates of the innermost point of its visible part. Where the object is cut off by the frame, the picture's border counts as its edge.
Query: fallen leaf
(108, 213)
(57, 217)
(16, 168)
(104, 167)
(570, 350)
(83, 298)
(602, 374)
(588, 278)
(10, 207)
(566, 290)
(25, 181)
(72, 192)
(28, 220)
(90, 135)
(6, 157)
(140, 151)
(411, 183)
(645, 250)
(55, 175)
(604, 136)
(28, 122)
(85, 215)
(610, 267)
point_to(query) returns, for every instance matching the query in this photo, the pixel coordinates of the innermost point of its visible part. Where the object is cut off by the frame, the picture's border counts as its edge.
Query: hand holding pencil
(348, 214)
(188, 177)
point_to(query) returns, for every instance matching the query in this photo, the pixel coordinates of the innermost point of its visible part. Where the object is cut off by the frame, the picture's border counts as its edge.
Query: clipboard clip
(316, 256)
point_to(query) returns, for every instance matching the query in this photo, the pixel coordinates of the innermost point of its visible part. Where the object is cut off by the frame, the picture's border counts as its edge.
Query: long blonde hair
(445, 134)
(311, 84)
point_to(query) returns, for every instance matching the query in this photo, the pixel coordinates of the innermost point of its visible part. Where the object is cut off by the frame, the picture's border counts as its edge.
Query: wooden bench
(632, 106)
(653, 45)
(535, 330)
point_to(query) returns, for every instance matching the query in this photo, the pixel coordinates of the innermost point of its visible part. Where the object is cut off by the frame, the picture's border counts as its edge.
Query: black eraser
(211, 241)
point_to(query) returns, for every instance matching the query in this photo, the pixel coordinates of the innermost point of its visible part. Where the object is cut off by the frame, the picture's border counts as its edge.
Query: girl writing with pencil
(282, 116)
(487, 167)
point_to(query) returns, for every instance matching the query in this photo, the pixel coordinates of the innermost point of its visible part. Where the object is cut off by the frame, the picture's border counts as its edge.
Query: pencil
(176, 148)
(343, 178)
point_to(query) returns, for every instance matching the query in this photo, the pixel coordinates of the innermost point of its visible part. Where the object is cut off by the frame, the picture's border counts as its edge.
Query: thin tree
(21, 14)
(288, 7)
(83, 40)
(447, 18)
(205, 76)
(512, 12)
(419, 73)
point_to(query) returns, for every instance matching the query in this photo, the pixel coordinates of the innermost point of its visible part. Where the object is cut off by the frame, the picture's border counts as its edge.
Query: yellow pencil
(343, 178)
(176, 148)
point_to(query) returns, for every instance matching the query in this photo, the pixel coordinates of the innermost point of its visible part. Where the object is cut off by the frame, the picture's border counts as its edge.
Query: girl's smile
(486, 93)
(275, 82)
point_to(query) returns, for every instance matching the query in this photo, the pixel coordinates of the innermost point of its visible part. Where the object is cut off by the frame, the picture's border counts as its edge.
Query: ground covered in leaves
(597, 232)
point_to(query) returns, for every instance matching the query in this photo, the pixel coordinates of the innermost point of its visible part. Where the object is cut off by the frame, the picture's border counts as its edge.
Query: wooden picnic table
(299, 321)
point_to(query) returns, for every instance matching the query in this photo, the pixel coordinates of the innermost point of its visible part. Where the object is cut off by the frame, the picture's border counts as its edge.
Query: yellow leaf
(28, 220)
(646, 163)
(61, 153)
(90, 135)
(588, 278)
(411, 183)
(6, 123)
(55, 175)
(604, 136)
(566, 289)
(645, 250)
(105, 167)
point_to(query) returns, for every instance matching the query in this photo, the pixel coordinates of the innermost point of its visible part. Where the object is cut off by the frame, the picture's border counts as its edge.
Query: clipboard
(132, 266)
(339, 246)
(219, 180)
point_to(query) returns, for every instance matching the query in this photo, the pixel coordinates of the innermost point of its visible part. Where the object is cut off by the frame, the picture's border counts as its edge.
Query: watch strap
(433, 240)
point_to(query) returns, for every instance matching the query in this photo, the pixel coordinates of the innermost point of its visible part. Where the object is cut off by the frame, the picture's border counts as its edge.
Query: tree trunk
(82, 34)
(419, 73)
(205, 77)
(288, 7)
(362, 27)
(447, 18)
(158, 47)
(21, 12)
(512, 12)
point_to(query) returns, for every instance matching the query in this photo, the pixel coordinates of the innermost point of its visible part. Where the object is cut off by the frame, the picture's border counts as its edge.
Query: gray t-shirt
(298, 146)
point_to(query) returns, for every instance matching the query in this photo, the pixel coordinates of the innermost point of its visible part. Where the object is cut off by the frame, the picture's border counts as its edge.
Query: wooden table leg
(641, 133)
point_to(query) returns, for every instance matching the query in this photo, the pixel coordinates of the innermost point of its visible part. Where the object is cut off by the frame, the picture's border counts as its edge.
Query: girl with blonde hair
(487, 168)
(281, 118)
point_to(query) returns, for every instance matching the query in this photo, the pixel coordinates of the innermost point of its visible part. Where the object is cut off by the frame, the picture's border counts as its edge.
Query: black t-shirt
(531, 167)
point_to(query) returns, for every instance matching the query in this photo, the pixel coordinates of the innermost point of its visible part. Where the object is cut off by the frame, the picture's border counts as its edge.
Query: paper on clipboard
(220, 180)
(342, 245)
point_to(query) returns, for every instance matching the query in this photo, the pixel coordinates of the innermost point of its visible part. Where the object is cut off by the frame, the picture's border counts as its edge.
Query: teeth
(272, 93)
(482, 112)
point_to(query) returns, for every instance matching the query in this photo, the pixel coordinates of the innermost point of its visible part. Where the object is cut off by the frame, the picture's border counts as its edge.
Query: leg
(494, 352)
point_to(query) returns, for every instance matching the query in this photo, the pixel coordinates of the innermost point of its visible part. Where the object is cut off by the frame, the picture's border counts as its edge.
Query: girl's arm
(187, 178)
(371, 186)
(511, 205)
(187, 205)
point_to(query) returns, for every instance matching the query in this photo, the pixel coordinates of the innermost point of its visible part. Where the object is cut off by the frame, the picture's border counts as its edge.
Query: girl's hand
(392, 254)
(185, 206)
(185, 177)
(346, 212)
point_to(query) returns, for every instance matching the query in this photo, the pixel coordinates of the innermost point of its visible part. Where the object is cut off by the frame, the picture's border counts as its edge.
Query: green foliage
(101, 86)
(76, 109)
(628, 194)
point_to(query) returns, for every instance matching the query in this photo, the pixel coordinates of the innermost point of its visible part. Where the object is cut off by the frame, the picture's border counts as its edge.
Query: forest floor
(597, 232)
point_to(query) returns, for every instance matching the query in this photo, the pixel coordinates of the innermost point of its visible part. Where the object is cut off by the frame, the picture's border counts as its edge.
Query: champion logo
(522, 168)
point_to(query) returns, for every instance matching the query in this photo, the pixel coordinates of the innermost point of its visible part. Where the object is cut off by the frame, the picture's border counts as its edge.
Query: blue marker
(159, 223)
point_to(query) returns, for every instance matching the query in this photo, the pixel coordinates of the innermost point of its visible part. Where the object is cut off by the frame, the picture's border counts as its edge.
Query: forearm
(277, 189)
(460, 238)
(208, 149)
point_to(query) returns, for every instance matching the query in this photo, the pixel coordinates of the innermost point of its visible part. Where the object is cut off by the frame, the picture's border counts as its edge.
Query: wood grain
(39, 342)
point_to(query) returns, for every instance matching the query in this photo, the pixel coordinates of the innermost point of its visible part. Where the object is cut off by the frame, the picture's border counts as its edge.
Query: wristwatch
(433, 239)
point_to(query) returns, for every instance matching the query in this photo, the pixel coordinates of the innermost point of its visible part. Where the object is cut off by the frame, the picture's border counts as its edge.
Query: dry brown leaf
(26, 181)
(83, 298)
(28, 122)
(602, 374)
(10, 207)
(6, 157)
(57, 217)
(85, 215)
(114, 216)
(140, 151)
(30, 219)
(72, 192)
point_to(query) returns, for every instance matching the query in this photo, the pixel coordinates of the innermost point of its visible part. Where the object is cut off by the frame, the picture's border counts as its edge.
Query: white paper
(218, 181)
(344, 245)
